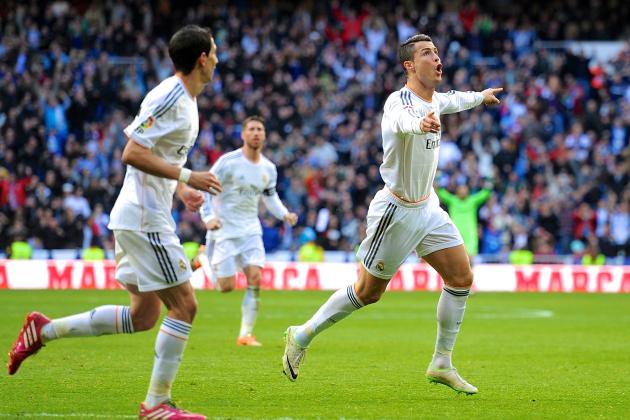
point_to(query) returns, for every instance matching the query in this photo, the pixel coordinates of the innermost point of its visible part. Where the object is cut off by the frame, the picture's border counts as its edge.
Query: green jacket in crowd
(464, 215)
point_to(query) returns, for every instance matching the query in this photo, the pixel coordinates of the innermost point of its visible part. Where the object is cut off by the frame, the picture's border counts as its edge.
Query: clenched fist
(214, 224)
(291, 218)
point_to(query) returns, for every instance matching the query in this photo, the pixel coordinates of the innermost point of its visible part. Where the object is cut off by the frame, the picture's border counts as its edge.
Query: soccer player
(405, 215)
(234, 239)
(150, 260)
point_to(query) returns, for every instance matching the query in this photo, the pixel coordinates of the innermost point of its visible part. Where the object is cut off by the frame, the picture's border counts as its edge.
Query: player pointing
(405, 215)
(234, 239)
(150, 260)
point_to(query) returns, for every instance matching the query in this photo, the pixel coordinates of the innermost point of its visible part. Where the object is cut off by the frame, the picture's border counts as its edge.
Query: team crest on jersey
(265, 178)
(380, 265)
(182, 265)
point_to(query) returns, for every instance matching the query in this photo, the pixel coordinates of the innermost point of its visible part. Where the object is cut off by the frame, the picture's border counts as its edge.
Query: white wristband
(184, 175)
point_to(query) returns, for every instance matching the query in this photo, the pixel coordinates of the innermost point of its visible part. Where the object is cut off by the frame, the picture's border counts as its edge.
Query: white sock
(341, 304)
(450, 313)
(109, 319)
(169, 347)
(249, 310)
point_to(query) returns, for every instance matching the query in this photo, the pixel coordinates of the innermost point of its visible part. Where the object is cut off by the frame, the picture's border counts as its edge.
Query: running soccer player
(150, 260)
(234, 239)
(405, 215)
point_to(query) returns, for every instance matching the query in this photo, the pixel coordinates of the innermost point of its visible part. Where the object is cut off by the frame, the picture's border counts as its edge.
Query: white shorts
(227, 256)
(150, 260)
(396, 228)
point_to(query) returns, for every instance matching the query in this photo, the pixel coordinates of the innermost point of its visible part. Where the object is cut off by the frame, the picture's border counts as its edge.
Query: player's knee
(187, 313)
(368, 297)
(461, 279)
(226, 286)
(254, 280)
(185, 310)
(192, 309)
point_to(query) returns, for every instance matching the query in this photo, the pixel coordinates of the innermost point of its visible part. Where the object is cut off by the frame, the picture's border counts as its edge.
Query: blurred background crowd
(554, 158)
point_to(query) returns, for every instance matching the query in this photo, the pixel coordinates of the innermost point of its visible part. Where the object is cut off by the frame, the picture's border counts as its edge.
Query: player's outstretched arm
(455, 101)
(143, 159)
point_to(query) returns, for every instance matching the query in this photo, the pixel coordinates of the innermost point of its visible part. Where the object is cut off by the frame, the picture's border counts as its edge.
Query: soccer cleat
(248, 340)
(167, 410)
(29, 341)
(293, 355)
(450, 378)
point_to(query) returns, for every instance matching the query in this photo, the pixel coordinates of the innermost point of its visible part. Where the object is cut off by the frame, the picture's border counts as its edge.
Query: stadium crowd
(556, 151)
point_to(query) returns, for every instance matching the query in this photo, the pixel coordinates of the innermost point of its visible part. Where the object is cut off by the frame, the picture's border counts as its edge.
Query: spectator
(592, 255)
(94, 252)
(462, 208)
(75, 201)
(271, 235)
(20, 250)
(620, 226)
(310, 250)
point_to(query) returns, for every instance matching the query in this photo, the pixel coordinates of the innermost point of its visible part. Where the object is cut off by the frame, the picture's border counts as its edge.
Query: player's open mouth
(438, 69)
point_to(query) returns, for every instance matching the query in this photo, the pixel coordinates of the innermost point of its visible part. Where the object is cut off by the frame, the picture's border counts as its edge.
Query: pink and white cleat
(28, 342)
(248, 340)
(167, 410)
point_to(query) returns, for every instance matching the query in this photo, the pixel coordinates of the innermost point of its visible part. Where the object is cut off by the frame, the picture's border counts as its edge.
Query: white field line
(475, 313)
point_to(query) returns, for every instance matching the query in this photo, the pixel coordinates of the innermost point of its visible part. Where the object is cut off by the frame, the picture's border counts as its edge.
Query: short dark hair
(253, 118)
(186, 46)
(407, 48)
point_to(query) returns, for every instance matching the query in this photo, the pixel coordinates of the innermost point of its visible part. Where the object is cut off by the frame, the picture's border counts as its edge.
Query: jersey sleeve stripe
(166, 99)
(402, 98)
(169, 105)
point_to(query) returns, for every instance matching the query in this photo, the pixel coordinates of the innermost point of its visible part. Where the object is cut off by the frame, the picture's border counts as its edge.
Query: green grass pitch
(532, 356)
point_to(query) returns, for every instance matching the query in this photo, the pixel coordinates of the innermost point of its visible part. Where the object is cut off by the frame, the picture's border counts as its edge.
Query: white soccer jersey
(410, 156)
(244, 184)
(168, 123)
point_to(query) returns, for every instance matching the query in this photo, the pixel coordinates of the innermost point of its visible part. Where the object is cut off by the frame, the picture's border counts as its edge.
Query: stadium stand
(72, 75)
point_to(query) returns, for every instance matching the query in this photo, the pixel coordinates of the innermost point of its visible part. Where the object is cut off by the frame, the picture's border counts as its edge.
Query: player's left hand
(291, 219)
(191, 198)
(489, 96)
